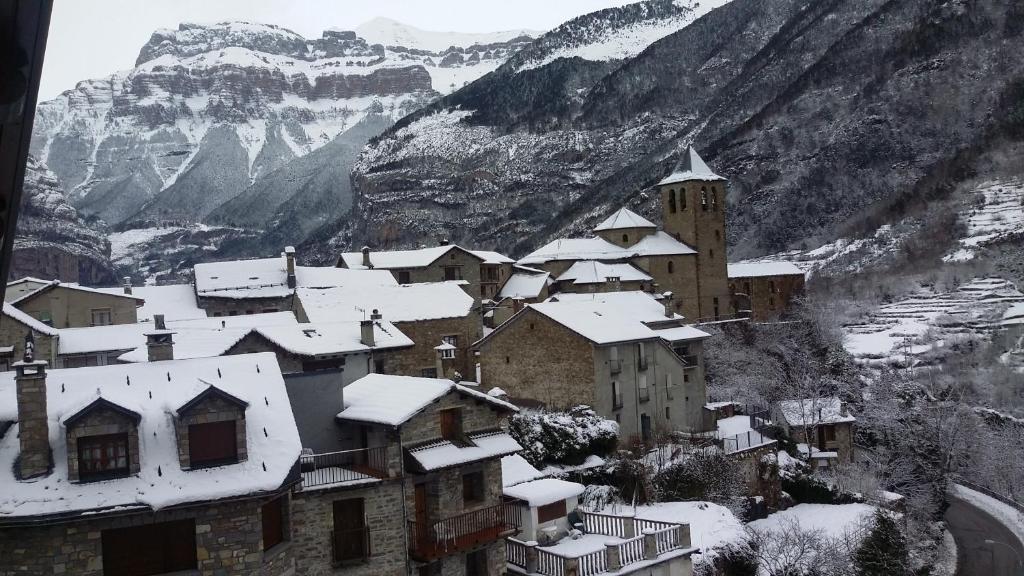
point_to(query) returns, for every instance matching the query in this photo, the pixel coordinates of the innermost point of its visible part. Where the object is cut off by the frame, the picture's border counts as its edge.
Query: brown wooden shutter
(273, 523)
(451, 424)
(551, 511)
(213, 443)
(150, 549)
(351, 540)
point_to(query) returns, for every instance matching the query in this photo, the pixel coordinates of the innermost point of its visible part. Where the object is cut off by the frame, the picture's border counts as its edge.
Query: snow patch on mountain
(997, 213)
(393, 33)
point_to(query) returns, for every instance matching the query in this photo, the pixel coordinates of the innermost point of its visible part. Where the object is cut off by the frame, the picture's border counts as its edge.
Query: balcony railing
(351, 545)
(745, 441)
(345, 466)
(429, 541)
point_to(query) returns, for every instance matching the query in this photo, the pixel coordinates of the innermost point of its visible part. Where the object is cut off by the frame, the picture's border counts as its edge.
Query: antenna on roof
(363, 310)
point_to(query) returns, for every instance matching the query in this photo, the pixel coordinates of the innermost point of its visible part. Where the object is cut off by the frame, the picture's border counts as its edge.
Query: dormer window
(212, 428)
(103, 457)
(114, 453)
(212, 444)
(101, 317)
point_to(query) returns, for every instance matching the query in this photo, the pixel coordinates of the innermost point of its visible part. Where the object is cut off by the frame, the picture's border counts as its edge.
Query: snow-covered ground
(829, 520)
(916, 328)
(1007, 515)
(997, 214)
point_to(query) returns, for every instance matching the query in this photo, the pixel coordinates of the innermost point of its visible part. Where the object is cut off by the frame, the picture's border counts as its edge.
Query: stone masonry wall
(69, 308)
(212, 409)
(242, 306)
(426, 335)
(767, 296)
(536, 358)
(12, 333)
(97, 423)
(229, 540)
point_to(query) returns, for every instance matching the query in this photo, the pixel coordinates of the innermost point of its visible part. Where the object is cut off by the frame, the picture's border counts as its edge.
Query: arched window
(704, 199)
(625, 238)
(671, 267)
(682, 198)
(672, 201)
(714, 199)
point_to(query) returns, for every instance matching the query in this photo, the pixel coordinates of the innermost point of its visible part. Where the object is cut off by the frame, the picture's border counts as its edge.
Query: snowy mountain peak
(390, 32)
(192, 39)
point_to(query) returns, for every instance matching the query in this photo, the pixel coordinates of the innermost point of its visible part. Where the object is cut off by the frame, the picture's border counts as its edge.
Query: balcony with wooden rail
(430, 541)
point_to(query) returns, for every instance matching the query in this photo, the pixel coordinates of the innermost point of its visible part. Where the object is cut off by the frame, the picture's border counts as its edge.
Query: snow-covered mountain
(394, 34)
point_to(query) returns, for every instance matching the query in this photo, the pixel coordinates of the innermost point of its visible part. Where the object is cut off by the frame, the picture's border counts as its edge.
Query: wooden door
(422, 529)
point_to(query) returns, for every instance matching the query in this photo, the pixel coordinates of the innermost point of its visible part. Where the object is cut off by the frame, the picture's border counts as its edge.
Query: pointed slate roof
(624, 218)
(690, 167)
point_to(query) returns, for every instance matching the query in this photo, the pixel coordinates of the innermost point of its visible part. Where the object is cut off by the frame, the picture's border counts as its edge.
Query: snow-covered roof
(393, 259)
(594, 272)
(681, 333)
(490, 257)
(624, 218)
(332, 338)
(657, 244)
(174, 301)
(813, 411)
(396, 303)
(516, 470)
(544, 491)
(273, 445)
(524, 285)
(15, 314)
(755, 269)
(71, 286)
(195, 338)
(393, 400)
(690, 167)
(481, 446)
(268, 278)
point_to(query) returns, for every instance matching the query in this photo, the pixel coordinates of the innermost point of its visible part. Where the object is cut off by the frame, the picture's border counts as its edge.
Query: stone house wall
(598, 287)
(491, 282)
(69, 308)
(313, 525)
(766, 296)
(241, 306)
(682, 281)
(533, 357)
(253, 343)
(98, 422)
(229, 540)
(426, 335)
(211, 409)
(625, 237)
(12, 333)
(760, 477)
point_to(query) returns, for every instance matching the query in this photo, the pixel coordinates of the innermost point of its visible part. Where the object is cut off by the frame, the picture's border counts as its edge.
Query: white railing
(604, 524)
(631, 550)
(515, 552)
(668, 539)
(593, 563)
(550, 564)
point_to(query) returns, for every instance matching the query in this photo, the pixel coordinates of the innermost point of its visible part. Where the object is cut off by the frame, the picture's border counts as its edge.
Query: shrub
(563, 437)
(701, 476)
(884, 551)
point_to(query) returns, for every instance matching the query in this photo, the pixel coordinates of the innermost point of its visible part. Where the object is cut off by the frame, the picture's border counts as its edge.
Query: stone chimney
(128, 285)
(366, 257)
(33, 422)
(844, 410)
(445, 359)
(366, 333)
(289, 255)
(614, 283)
(668, 299)
(160, 342)
(443, 242)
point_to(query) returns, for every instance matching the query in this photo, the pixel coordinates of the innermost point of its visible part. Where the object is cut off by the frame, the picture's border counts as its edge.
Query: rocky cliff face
(52, 241)
(830, 118)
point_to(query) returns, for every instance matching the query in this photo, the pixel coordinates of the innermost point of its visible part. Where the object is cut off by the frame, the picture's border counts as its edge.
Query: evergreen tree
(884, 551)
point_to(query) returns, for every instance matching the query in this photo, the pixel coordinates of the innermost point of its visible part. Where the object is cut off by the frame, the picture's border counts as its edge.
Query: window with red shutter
(212, 444)
(103, 457)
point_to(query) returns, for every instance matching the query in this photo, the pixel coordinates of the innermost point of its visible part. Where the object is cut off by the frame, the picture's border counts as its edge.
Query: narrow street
(970, 528)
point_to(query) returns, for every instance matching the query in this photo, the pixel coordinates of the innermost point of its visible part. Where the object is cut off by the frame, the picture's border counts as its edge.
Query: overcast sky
(92, 38)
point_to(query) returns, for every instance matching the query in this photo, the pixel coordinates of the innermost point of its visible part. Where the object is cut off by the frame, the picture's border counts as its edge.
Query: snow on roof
(681, 333)
(717, 405)
(594, 272)
(482, 446)
(195, 338)
(733, 426)
(624, 218)
(524, 285)
(393, 400)
(268, 278)
(15, 314)
(391, 259)
(657, 244)
(253, 378)
(333, 337)
(690, 167)
(174, 301)
(755, 269)
(544, 491)
(516, 470)
(490, 257)
(397, 303)
(71, 286)
(812, 411)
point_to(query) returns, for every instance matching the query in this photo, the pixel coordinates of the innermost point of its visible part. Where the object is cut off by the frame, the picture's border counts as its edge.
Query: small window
(212, 444)
(712, 252)
(473, 488)
(453, 340)
(704, 199)
(272, 515)
(447, 353)
(672, 201)
(531, 325)
(625, 238)
(714, 199)
(428, 372)
(453, 273)
(101, 317)
(233, 313)
(686, 377)
(403, 277)
(103, 457)
(668, 413)
(550, 512)
(682, 198)
(378, 367)
(771, 287)
(476, 563)
(671, 267)
(451, 424)
(718, 234)
(508, 359)
(218, 314)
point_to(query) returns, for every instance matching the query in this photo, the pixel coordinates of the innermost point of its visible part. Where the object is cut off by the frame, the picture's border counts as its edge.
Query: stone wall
(242, 306)
(477, 415)
(253, 343)
(68, 308)
(229, 540)
(677, 274)
(98, 422)
(211, 409)
(767, 297)
(760, 470)
(625, 237)
(12, 333)
(426, 335)
(533, 357)
(313, 525)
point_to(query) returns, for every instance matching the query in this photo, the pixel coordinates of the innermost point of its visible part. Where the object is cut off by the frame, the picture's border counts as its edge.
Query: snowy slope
(390, 32)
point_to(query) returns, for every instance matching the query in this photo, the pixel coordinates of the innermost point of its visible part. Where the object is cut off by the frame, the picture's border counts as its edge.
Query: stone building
(821, 427)
(414, 485)
(430, 314)
(625, 354)
(525, 285)
(178, 466)
(763, 290)
(594, 276)
(15, 327)
(63, 305)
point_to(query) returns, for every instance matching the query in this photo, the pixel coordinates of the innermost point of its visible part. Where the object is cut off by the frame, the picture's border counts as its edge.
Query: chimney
(375, 315)
(443, 242)
(614, 283)
(445, 359)
(366, 333)
(366, 257)
(33, 422)
(159, 342)
(128, 285)
(844, 410)
(669, 301)
(289, 255)
(517, 305)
